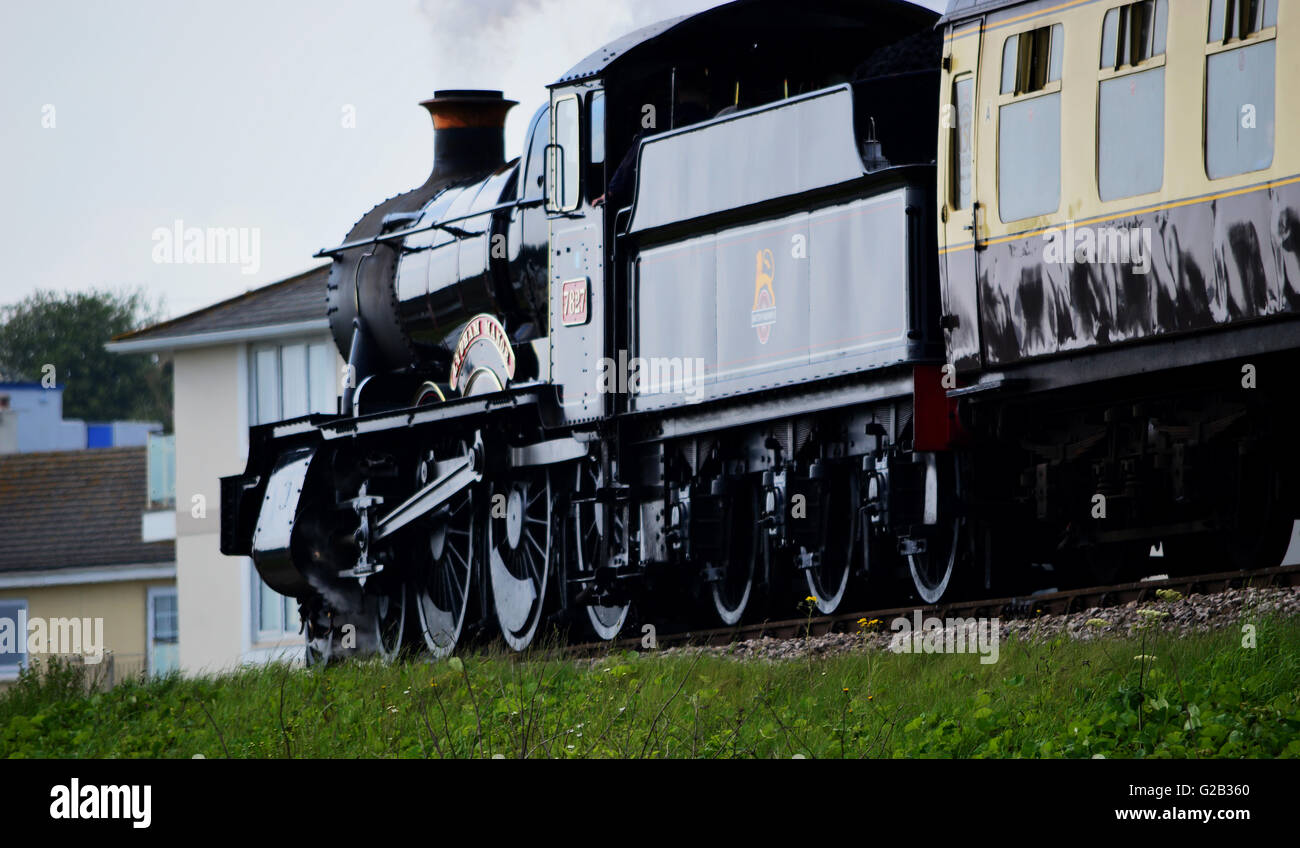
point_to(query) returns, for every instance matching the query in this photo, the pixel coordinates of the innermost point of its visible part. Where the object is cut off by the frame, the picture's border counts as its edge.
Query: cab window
(597, 128)
(533, 186)
(565, 159)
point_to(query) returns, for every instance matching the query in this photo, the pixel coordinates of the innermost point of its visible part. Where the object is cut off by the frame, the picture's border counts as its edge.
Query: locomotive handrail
(440, 225)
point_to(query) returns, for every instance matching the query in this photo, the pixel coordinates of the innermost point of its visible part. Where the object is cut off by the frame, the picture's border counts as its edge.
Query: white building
(263, 356)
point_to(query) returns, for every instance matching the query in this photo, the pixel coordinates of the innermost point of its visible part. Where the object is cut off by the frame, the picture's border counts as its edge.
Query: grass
(1154, 696)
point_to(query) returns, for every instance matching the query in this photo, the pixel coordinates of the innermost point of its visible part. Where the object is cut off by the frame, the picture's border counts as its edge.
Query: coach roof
(959, 10)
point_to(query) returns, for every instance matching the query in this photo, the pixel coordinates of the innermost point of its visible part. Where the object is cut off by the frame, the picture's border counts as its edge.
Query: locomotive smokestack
(469, 132)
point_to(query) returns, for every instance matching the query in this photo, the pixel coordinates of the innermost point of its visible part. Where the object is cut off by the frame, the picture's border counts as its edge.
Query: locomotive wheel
(932, 570)
(390, 621)
(519, 554)
(605, 620)
(1259, 520)
(828, 581)
(1265, 513)
(1264, 544)
(746, 553)
(320, 650)
(442, 591)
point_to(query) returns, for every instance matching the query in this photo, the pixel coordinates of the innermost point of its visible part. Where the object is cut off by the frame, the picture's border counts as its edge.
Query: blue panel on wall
(99, 435)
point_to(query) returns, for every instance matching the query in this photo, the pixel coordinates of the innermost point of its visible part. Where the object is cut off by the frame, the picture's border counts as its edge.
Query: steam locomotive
(843, 302)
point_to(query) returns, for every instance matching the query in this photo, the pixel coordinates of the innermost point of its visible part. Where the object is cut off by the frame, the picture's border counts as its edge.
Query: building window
(1029, 124)
(161, 467)
(1240, 87)
(1131, 101)
(164, 632)
(292, 380)
(13, 638)
(288, 381)
(274, 615)
(963, 142)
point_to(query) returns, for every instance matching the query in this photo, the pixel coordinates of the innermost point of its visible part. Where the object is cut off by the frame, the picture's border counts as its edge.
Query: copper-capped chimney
(469, 132)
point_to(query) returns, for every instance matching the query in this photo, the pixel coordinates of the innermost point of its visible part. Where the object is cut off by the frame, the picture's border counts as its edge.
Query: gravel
(1173, 613)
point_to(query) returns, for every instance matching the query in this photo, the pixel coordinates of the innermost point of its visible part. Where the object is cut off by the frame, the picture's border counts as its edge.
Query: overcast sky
(118, 119)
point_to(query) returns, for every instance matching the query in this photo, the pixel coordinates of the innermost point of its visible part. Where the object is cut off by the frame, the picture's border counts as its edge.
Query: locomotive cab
(718, 76)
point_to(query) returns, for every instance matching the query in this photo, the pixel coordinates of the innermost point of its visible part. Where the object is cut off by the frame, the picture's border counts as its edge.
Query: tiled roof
(300, 298)
(75, 509)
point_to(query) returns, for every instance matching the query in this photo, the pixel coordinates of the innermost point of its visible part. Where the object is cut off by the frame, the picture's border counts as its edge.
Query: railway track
(1019, 607)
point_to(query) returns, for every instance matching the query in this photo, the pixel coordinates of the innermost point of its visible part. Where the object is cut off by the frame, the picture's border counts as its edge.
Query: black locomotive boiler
(784, 302)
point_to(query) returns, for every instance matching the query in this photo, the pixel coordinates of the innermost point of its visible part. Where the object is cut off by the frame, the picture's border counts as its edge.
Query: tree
(62, 335)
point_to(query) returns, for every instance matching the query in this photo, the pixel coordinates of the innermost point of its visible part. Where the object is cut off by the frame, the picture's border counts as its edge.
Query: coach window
(1029, 124)
(564, 157)
(962, 146)
(1240, 84)
(1131, 100)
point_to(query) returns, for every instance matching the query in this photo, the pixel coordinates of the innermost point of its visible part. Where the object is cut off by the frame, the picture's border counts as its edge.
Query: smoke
(521, 46)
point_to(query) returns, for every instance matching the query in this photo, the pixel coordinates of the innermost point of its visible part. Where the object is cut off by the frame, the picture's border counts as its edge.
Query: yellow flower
(811, 599)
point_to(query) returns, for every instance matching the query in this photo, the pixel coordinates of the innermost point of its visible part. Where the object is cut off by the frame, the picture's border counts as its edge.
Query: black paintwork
(479, 247)
(1212, 264)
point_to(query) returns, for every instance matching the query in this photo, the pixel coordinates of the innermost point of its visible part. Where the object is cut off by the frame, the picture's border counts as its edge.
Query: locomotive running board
(514, 397)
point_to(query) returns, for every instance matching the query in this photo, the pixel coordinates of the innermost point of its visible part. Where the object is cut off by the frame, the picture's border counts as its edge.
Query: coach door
(577, 269)
(961, 212)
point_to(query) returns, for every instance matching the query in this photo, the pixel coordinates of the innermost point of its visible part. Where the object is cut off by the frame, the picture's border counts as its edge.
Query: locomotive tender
(831, 301)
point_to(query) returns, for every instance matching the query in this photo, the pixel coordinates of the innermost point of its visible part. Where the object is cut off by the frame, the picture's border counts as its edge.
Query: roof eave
(217, 337)
(38, 578)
